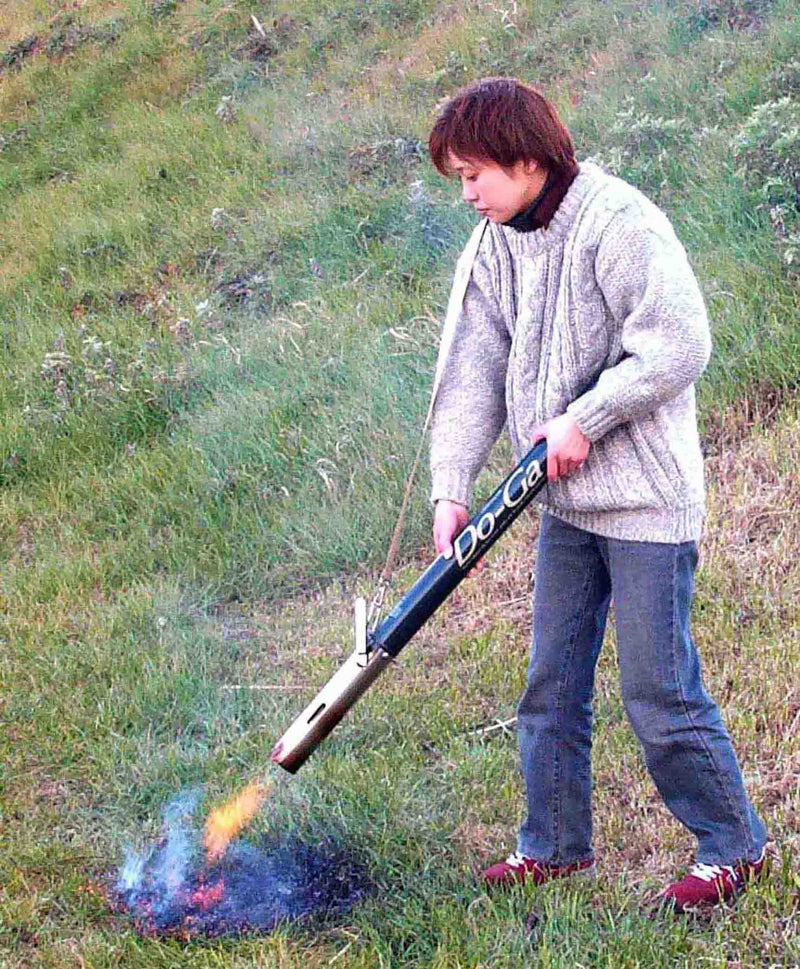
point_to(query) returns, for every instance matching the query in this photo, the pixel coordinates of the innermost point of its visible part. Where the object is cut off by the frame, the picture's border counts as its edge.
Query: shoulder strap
(457, 293)
(454, 304)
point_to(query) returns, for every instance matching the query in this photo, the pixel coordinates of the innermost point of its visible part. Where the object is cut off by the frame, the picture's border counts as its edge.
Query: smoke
(173, 888)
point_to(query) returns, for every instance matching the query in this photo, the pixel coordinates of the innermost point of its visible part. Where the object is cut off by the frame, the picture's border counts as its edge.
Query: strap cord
(460, 283)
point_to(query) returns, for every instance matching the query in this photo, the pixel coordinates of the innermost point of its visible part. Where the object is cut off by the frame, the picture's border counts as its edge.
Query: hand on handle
(567, 446)
(449, 518)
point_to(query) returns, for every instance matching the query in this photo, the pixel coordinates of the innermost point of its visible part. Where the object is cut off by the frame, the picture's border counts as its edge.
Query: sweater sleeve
(658, 317)
(470, 409)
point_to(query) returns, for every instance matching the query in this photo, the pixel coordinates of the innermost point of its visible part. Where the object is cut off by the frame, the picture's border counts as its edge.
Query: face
(495, 192)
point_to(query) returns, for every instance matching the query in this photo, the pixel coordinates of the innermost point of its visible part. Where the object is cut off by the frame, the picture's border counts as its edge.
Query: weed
(767, 148)
(67, 36)
(245, 288)
(707, 14)
(648, 150)
(159, 9)
(785, 80)
(13, 58)
(265, 42)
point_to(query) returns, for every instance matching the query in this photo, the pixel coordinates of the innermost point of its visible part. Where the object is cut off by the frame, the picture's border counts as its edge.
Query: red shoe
(708, 885)
(519, 868)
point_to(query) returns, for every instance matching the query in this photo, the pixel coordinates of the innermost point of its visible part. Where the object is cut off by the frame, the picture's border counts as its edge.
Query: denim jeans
(686, 747)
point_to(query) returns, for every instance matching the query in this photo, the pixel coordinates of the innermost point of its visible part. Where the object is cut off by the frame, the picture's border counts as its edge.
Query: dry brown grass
(752, 542)
(605, 67)
(21, 18)
(16, 98)
(421, 57)
(163, 82)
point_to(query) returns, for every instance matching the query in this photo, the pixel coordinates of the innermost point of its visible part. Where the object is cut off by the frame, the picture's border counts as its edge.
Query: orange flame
(225, 822)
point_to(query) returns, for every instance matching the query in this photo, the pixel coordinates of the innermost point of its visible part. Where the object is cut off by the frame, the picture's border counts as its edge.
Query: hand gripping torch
(375, 650)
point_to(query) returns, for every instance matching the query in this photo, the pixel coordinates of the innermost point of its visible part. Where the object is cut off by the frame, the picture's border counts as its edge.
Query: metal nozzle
(333, 701)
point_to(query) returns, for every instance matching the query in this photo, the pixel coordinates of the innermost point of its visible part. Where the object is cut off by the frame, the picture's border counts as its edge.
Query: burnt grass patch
(67, 36)
(171, 890)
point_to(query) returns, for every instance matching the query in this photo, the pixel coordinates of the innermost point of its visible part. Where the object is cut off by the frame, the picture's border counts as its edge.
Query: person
(582, 323)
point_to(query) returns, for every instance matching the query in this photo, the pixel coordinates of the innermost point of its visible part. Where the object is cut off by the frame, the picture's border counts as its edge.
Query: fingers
(569, 466)
(442, 542)
(567, 446)
(449, 519)
(443, 533)
(561, 467)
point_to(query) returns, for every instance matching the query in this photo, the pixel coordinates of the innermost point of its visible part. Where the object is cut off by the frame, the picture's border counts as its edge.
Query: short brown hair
(501, 120)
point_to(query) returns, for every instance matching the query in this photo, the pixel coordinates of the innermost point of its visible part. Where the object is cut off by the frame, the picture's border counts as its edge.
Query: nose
(468, 192)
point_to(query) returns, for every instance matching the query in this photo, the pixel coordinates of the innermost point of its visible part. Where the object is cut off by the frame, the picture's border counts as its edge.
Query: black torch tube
(472, 543)
(417, 606)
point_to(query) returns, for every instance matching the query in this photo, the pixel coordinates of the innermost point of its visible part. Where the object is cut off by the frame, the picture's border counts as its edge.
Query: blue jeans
(686, 747)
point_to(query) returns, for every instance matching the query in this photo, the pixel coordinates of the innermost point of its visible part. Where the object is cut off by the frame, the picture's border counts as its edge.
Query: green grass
(223, 262)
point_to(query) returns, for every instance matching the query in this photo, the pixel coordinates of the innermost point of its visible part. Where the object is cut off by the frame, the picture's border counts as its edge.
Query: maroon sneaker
(708, 885)
(519, 868)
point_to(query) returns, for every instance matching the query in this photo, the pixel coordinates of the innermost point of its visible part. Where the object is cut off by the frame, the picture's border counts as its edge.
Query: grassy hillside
(224, 255)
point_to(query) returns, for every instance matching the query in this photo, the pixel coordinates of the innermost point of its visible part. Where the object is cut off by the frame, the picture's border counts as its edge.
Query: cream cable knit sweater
(598, 315)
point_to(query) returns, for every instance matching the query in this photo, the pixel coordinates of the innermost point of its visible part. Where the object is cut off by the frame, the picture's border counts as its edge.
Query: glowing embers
(178, 888)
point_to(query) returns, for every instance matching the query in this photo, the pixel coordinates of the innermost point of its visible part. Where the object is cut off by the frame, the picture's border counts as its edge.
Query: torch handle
(470, 545)
(413, 610)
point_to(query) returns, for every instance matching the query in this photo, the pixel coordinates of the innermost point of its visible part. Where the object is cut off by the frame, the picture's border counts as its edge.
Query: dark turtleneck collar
(543, 208)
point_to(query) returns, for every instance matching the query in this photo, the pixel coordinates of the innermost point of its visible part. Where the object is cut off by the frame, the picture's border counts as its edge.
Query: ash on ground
(172, 889)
